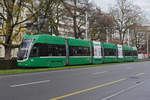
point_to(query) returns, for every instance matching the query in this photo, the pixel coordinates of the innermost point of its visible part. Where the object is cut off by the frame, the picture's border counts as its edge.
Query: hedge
(8, 64)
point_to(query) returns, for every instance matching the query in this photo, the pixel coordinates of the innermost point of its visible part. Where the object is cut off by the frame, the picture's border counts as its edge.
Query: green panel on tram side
(46, 39)
(135, 58)
(78, 42)
(120, 60)
(97, 60)
(128, 58)
(97, 53)
(43, 62)
(28, 37)
(110, 59)
(109, 45)
(127, 47)
(79, 60)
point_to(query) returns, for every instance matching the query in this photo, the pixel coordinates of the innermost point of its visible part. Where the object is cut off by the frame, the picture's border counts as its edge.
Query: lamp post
(128, 37)
(147, 46)
(86, 20)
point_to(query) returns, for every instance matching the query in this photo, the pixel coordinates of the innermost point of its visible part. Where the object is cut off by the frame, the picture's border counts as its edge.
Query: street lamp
(147, 45)
(86, 20)
(86, 31)
(128, 37)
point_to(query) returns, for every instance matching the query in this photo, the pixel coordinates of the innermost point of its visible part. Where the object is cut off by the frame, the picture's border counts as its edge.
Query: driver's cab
(24, 50)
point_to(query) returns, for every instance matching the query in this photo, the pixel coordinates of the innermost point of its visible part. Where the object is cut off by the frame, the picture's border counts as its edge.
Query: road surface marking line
(140, 74)
(122, 91)
(85, 90)
(45, 81)
(129, 68)
(43, 72)
(96, 73)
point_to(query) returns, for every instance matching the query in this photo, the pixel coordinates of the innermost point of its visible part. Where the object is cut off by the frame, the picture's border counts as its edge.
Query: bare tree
(101, 24)
(48, 19)
(124, 14)
(77, 9)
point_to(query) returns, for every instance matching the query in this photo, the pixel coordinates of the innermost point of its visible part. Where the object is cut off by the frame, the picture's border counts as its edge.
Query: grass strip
(22, 70)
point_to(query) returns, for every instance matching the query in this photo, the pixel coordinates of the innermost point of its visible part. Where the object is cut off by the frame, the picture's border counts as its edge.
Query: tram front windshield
(24, 49)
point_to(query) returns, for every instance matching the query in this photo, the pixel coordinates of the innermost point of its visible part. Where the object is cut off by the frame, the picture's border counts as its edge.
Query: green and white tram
(51, 51)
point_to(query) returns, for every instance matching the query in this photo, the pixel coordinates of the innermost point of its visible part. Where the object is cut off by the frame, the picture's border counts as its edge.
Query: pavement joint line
(129, 67)
(139, 74)
(96, 73)
(122, 91)
(85, 90)
(32, 73)
(45, 81)
(42, 72)
(47, 72)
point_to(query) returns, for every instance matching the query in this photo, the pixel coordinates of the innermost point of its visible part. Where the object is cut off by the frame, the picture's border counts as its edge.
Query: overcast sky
(144, 4)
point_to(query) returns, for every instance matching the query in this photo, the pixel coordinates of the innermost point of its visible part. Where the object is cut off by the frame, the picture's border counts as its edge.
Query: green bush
(8, 64)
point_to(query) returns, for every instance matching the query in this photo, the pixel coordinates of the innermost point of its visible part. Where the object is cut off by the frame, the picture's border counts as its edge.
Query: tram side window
(109, 52)
(48, 50)
(79, 51)
(134, 53)
(127, 53)
(57, 50)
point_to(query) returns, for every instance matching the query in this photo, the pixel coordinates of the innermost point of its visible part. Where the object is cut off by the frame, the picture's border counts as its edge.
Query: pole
(107, 36)
(147, 45)
(86, 31)
(86, 20)
(128, 37)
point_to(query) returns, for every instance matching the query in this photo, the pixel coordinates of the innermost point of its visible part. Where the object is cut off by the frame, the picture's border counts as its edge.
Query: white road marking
(129, 68)
(45, 81)
(122, 91)
(42, 72)
(96, 73)
(47, 72)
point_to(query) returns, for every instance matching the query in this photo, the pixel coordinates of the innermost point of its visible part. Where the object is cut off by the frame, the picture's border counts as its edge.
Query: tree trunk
(74, 20)
(7, 52)
(75, 27)
(120, 35)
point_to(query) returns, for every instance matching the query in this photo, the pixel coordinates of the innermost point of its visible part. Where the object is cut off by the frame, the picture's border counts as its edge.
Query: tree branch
(3, 16)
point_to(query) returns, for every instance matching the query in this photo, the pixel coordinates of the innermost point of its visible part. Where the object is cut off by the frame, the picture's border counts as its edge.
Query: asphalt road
(129, 81)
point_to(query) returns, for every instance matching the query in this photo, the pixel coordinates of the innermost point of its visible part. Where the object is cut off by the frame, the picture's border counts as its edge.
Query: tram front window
(24, 49)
